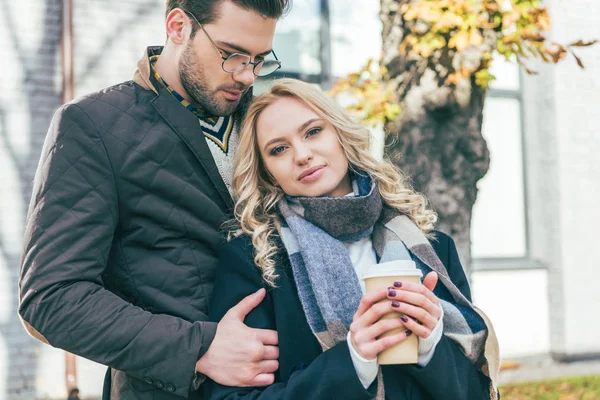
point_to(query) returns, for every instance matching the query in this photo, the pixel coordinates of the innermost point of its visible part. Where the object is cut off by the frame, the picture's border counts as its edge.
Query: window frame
(525, 262)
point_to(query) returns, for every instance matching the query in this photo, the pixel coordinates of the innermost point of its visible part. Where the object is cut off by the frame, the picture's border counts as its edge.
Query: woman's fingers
(377, 329)
(430, 280)
(368, 300)
(370, 350)
(417, 300)
(421, 331)
(416, 288)
(372, 315)
(417, 313)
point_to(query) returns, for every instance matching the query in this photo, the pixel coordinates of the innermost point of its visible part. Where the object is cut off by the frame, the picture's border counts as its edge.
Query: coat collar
(184, 123)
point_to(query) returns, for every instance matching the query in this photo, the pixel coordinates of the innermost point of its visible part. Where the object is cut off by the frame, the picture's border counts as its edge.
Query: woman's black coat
(305, 371)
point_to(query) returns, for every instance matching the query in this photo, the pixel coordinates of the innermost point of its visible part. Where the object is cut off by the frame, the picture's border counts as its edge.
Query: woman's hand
(367, 326)
(417, 301)
(421, 308)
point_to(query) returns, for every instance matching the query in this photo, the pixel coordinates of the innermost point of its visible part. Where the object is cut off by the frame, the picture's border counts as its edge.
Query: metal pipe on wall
(68, 92)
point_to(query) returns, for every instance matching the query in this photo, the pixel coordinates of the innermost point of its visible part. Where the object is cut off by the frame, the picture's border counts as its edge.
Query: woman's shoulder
(443, 245)
(236, 254)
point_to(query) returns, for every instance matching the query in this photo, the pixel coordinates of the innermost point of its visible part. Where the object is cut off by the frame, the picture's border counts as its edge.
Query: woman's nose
(303, 154)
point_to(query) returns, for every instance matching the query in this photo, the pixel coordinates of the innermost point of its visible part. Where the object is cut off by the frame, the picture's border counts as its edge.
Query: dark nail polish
(391, 293)
(390, 288)
(395, 304)
(403, 318)
(398, 284)
(408, 333)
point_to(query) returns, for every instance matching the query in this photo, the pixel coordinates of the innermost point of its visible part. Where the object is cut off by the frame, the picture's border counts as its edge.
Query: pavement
(540, 368)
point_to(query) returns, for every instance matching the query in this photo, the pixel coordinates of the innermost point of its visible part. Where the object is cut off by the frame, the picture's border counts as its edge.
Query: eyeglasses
(236, 62)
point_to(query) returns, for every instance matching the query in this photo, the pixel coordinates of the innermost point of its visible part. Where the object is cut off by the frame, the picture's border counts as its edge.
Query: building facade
(541, 195)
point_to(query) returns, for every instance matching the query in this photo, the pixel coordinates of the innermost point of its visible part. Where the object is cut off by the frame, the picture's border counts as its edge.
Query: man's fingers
(247, 304)
(271, 353)
(263, 380)
(268, 366)
(266, 336)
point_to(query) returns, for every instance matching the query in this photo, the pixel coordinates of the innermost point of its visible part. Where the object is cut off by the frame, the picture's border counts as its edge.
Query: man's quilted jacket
(122, 238)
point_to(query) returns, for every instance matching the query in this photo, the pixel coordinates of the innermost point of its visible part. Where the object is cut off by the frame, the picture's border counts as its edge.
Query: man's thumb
(247, 304)
(430, 280)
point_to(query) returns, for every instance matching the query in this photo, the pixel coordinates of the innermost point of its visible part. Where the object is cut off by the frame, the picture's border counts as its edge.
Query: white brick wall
(110, 36)
(577, 99)
(562, 140)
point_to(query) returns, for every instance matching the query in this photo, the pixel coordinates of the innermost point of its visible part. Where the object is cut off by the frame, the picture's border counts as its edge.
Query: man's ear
(177, 24)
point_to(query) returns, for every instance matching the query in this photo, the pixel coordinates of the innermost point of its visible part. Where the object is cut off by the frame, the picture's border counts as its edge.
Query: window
(500, 209)
(321, 40)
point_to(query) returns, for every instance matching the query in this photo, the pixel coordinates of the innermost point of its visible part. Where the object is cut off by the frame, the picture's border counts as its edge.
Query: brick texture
(109, 37)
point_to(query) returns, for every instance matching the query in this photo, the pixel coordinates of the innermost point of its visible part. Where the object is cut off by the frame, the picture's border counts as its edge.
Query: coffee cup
(383, 275)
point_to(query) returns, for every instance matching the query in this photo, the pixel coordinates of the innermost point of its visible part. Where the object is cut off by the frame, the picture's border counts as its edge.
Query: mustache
(240, 88)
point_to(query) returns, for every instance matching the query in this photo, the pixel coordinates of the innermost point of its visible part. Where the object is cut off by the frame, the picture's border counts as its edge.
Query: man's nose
(245, 76)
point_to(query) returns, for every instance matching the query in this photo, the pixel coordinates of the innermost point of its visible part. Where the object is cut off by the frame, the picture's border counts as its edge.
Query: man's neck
(166, 66)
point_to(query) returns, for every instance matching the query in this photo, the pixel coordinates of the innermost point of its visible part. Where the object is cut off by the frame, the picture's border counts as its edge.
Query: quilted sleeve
(72, 217)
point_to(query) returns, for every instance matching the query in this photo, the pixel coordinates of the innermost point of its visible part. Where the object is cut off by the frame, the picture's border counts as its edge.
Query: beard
(196, 84)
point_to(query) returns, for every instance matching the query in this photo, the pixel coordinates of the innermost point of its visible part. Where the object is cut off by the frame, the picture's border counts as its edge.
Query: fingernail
(403, 318)
(395, 304)
(408, 333)
(398, 284)
(390, 288)
(391, 293)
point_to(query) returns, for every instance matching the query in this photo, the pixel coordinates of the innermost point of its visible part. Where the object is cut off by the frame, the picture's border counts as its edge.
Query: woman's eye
(313, 131)
(276, 150)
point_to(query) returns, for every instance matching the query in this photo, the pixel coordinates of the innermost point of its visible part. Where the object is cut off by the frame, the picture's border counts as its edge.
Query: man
(131, 191)
(74, 394)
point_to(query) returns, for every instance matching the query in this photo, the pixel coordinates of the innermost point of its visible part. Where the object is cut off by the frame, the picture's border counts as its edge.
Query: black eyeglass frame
(225, 58)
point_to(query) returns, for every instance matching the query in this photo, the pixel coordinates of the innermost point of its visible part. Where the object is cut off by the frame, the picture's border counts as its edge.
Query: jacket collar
(144, 77)
(184, 123)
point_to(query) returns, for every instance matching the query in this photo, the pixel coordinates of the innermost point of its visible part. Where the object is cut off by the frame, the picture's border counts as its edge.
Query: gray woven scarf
(312, 230)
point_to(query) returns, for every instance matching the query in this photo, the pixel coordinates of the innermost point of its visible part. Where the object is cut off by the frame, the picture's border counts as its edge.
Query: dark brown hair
(207, 11)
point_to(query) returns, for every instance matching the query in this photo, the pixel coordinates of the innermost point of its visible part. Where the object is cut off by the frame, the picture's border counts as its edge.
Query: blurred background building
(541, 195)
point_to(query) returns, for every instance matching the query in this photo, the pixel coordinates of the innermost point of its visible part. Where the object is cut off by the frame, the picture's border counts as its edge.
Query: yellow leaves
(510, 18)
(483, 78)
(475, 38)
(459, 41)
(374, 99)
(448, 20)
(459, 36)
(542, 19)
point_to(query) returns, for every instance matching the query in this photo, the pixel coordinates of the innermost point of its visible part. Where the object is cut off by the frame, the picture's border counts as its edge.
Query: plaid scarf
(312, 230)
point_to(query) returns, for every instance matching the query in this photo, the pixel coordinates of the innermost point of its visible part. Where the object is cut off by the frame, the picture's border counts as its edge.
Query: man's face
(236, 30)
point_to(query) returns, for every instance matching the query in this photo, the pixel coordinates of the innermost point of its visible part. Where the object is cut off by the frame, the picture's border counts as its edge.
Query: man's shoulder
(112, 101)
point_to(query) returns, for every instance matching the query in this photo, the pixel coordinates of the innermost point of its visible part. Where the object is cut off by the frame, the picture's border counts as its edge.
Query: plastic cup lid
(392, 268)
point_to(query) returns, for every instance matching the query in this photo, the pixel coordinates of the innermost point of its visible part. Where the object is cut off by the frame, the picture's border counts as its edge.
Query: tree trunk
(437, 138)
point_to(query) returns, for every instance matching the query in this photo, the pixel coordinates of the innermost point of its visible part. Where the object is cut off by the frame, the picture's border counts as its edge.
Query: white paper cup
(383, 275)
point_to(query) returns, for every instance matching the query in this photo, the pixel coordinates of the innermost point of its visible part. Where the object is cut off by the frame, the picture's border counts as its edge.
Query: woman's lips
(311, 174)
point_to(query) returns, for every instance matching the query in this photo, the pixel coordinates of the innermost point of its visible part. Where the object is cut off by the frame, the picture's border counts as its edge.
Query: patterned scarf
(312, 230)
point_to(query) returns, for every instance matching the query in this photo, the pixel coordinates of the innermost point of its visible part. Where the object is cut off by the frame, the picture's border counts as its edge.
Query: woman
(315, 209)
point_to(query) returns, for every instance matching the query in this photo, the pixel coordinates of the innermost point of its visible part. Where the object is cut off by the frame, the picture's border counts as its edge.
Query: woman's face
(302, 151)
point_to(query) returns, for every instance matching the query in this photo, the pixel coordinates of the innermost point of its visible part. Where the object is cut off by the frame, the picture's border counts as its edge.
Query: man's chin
(228, 107)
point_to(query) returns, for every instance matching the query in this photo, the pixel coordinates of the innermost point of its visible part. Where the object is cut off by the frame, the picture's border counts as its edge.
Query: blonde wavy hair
(257, 195)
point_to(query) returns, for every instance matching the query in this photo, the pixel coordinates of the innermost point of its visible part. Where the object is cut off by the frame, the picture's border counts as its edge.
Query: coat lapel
(186, 126)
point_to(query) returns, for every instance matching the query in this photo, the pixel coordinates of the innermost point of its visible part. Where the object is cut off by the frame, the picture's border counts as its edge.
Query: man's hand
(238, 355)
